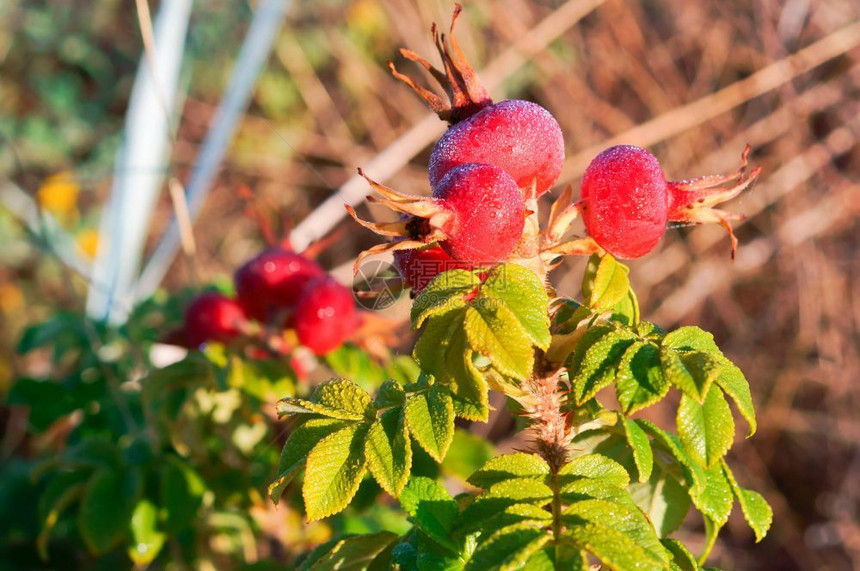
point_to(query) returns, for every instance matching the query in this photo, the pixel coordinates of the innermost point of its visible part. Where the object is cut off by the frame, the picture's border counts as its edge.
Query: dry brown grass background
(692, 80)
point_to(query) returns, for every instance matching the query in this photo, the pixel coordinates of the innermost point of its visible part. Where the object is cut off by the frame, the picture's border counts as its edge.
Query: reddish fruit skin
(272, 281)
(625, 201)
(419, 267)
(520, 137)
(488, 213)
(213, 317)
(325, 315)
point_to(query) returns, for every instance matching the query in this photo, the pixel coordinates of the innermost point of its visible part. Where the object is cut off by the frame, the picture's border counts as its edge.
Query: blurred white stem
(139, 171)
(252, 56)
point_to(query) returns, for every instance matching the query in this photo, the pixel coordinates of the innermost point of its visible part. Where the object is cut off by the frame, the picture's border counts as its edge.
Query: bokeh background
(694, 81)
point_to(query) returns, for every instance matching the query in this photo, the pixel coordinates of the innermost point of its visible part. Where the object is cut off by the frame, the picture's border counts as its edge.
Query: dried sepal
(466, 93)
(693, 201)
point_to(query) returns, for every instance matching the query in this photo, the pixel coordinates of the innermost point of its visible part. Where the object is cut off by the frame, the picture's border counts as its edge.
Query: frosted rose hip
(488, 213)
(624, 201)
(520, 137)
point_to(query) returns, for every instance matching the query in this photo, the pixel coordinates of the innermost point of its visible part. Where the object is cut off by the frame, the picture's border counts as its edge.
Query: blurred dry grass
(787, 311)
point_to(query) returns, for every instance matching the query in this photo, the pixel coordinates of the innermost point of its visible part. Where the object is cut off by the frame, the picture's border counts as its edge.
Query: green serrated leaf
(354, 553)
(441, 343)
(691, 372)
(615, 549)
(640, 445)
(682, 559)
(712, 530)
(430, 418)
(626, 311)
(388, 451)
(664, 500)
(733, 382)
(730, 379)
(640, 381)
(390, 393)
(494, 332)
(599, 467)
(577, 489)
(715, 500)
(181, 488)
(600, 364)
(106, 507)
(756, 510)
(508, 548)
(610, 284)
(147, 540)
(431, 508)
(591, 336)
(566, 315)
(509, 466)
(64, 489)
(333, 471)
(343, 394)
(524, 294)
(706, 430)
(445, 293)
(694, 472)
(469, 389)
(501, 496)
(297, 447)
(626, 518)
(289, 405)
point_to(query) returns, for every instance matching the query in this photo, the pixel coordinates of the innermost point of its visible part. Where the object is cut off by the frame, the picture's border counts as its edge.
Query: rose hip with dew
(626, 201)
(476, 214)
(520, 137)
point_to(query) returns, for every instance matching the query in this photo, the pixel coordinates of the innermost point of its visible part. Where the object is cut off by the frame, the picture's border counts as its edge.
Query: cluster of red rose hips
(278, 289)
(494, 162)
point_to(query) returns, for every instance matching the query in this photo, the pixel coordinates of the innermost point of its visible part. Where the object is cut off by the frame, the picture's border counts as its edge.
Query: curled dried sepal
(459, 80)
(693, 201)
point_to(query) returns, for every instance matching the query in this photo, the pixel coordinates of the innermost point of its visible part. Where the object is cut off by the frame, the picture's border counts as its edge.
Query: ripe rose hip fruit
(419, 267)
(520, 137)
(476, 214)
(487, 213)
(213, 317)
(325, 316)
(272, 281)
(624, 201)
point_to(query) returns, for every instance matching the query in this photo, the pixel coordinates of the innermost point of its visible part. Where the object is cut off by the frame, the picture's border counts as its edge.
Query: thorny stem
(542, 404)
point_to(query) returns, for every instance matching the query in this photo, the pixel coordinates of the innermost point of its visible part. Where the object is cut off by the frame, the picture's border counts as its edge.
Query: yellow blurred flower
(367, 17)
(11, 297)
(59, 194)
(88, 242)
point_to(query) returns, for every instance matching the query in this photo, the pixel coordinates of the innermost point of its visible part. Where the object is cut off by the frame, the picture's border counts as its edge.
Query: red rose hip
(272, 281)
(624, 201)
(325, 315)
(520, 137)
(487, 213)
(213, 317)
(419, 267)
